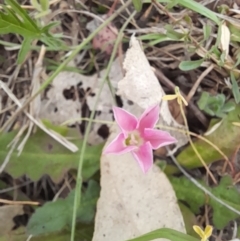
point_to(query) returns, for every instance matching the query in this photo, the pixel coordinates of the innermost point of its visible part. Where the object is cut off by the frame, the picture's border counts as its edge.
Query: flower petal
(158, 138)
(144, 156)
(208, 231)
(149, 118)
(126, 121)
(198, 230)
(117, 146)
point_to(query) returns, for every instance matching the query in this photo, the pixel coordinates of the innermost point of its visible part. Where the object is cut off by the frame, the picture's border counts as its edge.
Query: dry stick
(35, 104)
(72, 147)
(9, 189)
(29, 237)
(200, 116)
(198, 113)
(7, 158)
(181, 100)
(193, 146)
(13, 144)
(197, 83)
(62, 188)
(163, 79)
(226, 65)
(65, 62)
(194, 88)
(196, 183)
(19, 202)
(198, 136)
(234, 156)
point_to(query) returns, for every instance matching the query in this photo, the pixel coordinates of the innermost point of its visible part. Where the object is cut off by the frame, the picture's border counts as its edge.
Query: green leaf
(15, 20)
(44, 4)
(42, 14)
(186, 191)
(199, 8)
(43, 155)
(238, 60)
(26, 45)
(166, 233)
(36, 5)
(190, 65)
(89, 199)
(83, 232)
(235, 88)
(47, 27)
(207, 29)
(226, 137)
(137, 5)
(54, 216)
(238, 232)
(235, 34)
(23, 14)
(203, 101)
(9, 23)
(172, 34)
(215, 105)
(229, 106)
(215, 51)
(194, 6)
(171, 4)
(62, 130)
(156, 38)
(189, 219)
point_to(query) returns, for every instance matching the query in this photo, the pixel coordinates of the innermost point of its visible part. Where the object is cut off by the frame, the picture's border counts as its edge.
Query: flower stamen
(133, 139)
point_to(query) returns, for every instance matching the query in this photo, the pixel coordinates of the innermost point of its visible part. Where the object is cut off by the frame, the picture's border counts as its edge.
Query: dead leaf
(175, 111)
(65, 99)
(7, 214)
(132, 203)
(106, 37)
(225, 39)
(141, 86)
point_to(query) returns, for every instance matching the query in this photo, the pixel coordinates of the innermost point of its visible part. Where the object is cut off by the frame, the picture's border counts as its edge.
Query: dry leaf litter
(129, 201)
(62, 102)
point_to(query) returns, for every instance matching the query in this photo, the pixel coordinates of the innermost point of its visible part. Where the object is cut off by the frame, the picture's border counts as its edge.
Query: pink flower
(138, 136)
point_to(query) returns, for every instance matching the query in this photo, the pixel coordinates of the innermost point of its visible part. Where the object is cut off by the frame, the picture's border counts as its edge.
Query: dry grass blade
(7, 158)
(51, 133)
(36, 103)
(19, 202)
(32, 7)
(196, 84)
(13, 144)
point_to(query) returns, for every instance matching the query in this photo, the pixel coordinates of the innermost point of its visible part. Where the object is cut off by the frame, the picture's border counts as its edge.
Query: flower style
(138, 136)
(206, 234)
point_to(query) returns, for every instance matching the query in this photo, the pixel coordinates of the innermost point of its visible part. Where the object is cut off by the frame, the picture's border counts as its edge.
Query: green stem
(77, 198)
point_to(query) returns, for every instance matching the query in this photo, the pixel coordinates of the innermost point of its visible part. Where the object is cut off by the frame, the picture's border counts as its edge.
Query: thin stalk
(77, 198)
(192, 145)
(196, 183)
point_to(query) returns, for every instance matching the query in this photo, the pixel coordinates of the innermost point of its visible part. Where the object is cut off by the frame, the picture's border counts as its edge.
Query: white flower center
(133, 139)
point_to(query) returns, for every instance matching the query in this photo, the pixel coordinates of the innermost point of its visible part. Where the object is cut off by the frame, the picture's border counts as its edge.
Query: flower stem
(77, 198)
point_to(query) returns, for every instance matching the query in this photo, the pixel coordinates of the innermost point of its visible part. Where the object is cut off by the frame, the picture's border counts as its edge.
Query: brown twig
(163, 79)
(197, 83)
(19, 202)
